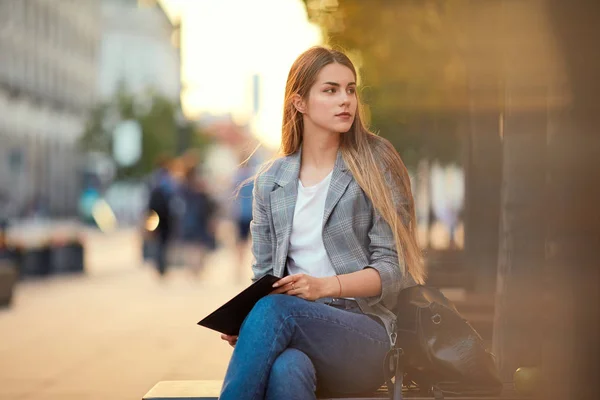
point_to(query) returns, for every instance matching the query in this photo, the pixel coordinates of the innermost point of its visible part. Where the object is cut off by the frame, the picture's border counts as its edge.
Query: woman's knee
(293, 366)
(271, 308)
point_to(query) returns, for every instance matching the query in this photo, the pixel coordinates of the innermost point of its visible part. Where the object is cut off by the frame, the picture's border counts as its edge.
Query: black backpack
(436, 351)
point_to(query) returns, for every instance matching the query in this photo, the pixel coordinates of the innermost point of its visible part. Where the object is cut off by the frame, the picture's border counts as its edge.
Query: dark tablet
(228, 318)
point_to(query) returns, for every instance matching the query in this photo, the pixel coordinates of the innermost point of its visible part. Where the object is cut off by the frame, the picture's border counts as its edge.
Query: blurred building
(140, 49)
(139, 52)
(48, 67)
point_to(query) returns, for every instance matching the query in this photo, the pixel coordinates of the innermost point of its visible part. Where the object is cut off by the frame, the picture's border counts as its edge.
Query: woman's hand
(232, 340)
(305, 286)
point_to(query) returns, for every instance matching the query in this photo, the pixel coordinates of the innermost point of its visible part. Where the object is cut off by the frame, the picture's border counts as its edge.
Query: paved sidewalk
(115, 332)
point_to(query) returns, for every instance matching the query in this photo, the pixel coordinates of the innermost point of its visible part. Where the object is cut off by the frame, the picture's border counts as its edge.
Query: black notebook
(228, 318)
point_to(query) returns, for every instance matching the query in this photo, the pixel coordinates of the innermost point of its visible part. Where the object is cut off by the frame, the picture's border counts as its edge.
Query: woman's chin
(342, 128)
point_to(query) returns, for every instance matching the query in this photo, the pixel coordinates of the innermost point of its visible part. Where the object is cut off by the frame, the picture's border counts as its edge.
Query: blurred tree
(481, 50)
(431, 77)
(547, 301)
(95, 136)
(163, 131)
(412, 71)
(573, 227)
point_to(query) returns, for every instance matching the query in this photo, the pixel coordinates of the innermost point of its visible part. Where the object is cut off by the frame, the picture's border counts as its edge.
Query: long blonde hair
(373, 161)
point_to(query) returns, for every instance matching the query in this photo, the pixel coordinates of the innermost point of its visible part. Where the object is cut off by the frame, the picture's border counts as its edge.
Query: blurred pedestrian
(197, 221)
(160, 174)
(162, 190)
(447, 197)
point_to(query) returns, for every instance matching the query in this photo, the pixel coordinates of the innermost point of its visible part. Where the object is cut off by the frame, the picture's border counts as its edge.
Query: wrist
(330, 287)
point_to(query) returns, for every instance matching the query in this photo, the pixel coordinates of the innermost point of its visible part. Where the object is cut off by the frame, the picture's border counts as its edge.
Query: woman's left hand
(304, 286)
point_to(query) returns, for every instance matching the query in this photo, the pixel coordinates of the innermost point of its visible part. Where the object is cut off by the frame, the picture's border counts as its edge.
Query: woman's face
(331, 103)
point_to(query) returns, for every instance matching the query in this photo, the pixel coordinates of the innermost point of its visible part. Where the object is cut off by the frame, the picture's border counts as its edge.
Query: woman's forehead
(336, 73)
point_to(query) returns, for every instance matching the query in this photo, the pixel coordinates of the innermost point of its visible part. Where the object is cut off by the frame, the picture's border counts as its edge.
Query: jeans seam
(270, 351)
(348, 328)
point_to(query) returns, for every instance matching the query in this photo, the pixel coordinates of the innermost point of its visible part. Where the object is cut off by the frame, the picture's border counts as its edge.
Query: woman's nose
(345, 98)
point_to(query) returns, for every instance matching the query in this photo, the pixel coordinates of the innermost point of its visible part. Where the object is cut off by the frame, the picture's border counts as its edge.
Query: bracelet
(339, 283)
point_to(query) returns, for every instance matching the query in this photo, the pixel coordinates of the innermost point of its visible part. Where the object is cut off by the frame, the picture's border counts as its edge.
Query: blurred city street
(115, 331)
(126, 118)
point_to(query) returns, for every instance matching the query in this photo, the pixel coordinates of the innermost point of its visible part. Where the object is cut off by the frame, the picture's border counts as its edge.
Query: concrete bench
(209, 390)
(184, 390)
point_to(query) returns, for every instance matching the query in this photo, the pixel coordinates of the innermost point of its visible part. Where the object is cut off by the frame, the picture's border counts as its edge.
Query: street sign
(127, 143)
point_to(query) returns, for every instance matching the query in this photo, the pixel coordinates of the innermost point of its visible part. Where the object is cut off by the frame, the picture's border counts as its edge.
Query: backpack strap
(394, 366)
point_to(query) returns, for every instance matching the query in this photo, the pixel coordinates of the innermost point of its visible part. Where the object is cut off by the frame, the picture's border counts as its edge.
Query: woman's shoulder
(267, 173)
(269, 170)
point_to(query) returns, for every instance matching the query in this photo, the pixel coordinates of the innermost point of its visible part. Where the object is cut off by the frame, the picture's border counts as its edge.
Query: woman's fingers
(285, 289)
(293, 285)
(299, 285)
(286, 280)
(283, 281)
(299, 291)
(232, 340)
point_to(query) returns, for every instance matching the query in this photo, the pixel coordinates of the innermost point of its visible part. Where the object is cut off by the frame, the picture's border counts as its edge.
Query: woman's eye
(330, 90)
(351, 90)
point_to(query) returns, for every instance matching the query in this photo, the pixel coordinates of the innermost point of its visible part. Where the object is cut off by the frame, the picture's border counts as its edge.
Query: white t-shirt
(306, 253)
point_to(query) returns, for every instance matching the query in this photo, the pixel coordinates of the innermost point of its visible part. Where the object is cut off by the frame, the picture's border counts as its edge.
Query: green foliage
(412, 73)
(163, 133)
(95, 137)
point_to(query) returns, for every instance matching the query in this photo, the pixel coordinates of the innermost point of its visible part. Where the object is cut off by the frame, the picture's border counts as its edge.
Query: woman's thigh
(346, 348)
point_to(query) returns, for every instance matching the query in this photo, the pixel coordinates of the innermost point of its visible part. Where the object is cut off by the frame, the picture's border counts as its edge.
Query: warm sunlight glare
(152, 221)
(236, 55)
(104, 216)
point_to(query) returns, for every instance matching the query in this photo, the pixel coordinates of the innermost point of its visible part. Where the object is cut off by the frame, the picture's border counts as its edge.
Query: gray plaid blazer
(354, 234)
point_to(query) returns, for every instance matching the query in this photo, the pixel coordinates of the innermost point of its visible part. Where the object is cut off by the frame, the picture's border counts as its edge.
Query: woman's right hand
(232, 340)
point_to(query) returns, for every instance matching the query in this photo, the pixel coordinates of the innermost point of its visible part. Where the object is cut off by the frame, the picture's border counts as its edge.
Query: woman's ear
(299, 103)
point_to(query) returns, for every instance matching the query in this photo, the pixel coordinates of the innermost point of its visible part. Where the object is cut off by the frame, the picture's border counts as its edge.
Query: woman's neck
(319, 149)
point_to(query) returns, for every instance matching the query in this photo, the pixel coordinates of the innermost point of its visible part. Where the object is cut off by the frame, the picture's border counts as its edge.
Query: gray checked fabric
(354, 234)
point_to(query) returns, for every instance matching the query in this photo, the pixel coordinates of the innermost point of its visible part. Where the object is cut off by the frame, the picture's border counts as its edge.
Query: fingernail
(275, 285)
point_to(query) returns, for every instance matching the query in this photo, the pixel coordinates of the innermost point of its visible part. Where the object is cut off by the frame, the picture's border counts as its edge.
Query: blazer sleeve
(384, 256)
(260, 228)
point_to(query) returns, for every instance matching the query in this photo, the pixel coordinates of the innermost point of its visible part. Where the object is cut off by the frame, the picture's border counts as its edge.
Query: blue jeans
(288, 348)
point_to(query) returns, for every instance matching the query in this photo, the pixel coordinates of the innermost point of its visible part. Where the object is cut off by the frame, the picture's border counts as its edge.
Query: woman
(335, 214)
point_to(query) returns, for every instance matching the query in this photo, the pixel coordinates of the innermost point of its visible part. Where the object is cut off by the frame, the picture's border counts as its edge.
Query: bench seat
(209, 390)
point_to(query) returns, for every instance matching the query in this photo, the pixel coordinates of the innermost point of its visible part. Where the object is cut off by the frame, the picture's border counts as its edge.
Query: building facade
(139, 49)
(48, 82)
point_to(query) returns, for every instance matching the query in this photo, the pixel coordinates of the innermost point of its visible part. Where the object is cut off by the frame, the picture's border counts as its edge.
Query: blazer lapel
(340, 179)
(283, 204)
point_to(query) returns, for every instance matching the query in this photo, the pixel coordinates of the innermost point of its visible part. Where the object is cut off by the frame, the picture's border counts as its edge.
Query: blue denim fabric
(289, 347)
